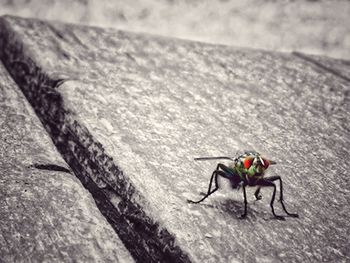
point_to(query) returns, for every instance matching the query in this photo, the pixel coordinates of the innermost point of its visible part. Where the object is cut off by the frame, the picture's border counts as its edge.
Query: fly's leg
(214, 176)
(227, 173)
(245, 203)
(257, 194)
(274, 178)
(266, 182)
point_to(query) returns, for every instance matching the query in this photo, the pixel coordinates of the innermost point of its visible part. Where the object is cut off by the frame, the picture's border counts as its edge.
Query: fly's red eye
(266, 163)
(247, 163)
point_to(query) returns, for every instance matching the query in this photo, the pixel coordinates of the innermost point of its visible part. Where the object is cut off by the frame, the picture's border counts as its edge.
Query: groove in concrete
(146, 240)
(46, 215)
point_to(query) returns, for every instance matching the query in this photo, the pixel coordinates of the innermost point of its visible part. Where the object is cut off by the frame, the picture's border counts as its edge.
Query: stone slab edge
(142, 235)
(320, 64)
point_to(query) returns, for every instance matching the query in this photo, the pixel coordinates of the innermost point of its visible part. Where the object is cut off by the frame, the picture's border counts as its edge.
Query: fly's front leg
(266, 182)
(245, 203)
(274, 178)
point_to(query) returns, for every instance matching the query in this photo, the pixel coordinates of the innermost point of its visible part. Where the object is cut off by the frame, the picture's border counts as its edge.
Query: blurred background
(315, 27)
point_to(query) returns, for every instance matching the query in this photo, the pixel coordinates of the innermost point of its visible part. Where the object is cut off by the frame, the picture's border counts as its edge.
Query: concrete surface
(45, 213)
(129, 112)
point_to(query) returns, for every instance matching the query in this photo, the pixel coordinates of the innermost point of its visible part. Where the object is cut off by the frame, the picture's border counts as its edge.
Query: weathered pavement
(46, 215)
(128, 112)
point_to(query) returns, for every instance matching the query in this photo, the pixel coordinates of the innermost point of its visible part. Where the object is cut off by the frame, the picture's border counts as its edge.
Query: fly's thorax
(232, 165)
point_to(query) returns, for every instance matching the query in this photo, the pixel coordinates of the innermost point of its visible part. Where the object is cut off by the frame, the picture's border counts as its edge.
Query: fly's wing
(213, 158)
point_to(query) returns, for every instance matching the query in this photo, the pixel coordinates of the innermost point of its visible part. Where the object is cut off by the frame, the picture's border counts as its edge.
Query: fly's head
(253, 160)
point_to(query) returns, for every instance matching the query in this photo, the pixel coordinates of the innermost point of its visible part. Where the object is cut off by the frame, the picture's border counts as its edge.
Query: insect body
(246, 170)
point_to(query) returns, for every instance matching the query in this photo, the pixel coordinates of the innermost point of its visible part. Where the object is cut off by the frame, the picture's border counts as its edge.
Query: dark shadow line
(50, 167)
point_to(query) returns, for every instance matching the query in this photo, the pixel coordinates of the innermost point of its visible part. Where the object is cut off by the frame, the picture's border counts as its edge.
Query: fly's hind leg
(223, 172)
(213, 176)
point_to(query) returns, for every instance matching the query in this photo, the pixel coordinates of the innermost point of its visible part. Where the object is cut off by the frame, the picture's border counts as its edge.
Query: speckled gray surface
(155, 103)
(45, 215)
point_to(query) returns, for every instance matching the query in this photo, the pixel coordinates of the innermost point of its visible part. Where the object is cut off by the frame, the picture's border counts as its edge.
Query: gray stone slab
(147, 105)
(46, 215)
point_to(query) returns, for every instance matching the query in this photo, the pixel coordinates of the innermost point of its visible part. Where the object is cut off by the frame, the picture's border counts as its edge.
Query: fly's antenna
(213, 158)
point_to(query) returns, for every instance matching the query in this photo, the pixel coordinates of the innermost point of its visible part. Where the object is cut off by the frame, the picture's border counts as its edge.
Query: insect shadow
(230, 206)
(234, 208)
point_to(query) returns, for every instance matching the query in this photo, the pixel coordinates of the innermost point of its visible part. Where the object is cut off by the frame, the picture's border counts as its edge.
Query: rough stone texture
(45, 213)
(147, 105)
